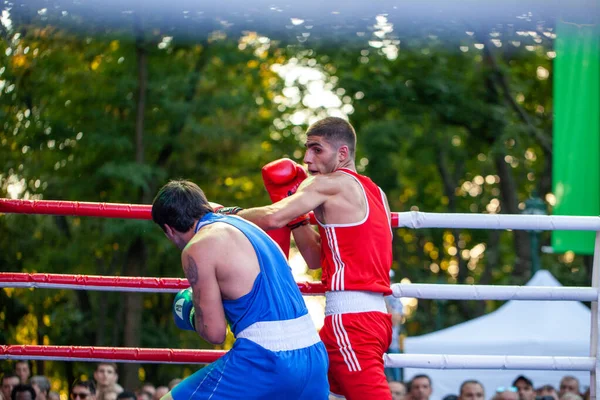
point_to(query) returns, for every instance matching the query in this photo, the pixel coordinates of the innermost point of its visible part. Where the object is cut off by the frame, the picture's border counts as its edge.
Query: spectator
(22, 392)
(53, 396)
(126, 396)
(9, 381)
(149, 388)
(586, 395)
(471, 390)
(141, 395)
(419, 387)
(524, 386)
(571, 396)
(398, 390)
(108, 394)
(83, 390)
(160, 392)
(547, 391)
(568, 384)
(106, 378)
(23, 371)
(41, 385)
(174, 382)
(509, 393)
(450, 397)
(394, 307)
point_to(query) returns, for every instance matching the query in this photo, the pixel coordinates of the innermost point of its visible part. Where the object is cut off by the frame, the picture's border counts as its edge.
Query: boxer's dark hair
(178, 204)
(336, 131)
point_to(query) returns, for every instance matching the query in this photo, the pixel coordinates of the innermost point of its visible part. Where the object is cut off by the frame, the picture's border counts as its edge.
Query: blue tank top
(275, 295)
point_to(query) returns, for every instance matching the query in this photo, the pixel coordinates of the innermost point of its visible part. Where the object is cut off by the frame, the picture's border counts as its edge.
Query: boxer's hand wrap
(228, 210)
(298, 222)
(282, 178)
(184, 312)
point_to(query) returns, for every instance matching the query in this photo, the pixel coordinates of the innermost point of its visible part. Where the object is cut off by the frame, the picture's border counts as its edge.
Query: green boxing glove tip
(192, 320)
(184, 313)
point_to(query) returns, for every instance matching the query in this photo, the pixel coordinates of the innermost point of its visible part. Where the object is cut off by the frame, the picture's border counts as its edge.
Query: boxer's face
(321, 157)
(175, 238)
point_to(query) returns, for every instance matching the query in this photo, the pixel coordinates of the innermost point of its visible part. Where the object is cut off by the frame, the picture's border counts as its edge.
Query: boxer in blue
(238, 274)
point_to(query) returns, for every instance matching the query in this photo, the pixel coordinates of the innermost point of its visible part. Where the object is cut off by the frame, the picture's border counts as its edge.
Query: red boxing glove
(282, 178)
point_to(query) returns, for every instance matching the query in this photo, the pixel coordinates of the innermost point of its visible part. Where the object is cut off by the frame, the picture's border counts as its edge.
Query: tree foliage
(444, 125)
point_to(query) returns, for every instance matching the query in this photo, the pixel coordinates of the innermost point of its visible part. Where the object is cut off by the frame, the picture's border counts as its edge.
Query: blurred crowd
(522, 388)
(20, 385)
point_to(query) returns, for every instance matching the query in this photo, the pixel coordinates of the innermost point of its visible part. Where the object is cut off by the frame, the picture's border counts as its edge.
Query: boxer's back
(356, 251)
(273, 295)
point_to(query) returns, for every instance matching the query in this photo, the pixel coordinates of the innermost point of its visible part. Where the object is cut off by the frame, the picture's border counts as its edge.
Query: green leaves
(130, 173)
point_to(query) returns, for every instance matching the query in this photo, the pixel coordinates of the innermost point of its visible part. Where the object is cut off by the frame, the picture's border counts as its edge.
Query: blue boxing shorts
(269, 360)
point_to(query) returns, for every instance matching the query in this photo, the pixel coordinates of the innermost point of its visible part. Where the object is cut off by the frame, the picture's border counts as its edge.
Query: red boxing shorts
(357, 333)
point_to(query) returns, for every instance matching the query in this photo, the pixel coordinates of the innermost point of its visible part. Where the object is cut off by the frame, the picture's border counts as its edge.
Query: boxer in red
(353, 246)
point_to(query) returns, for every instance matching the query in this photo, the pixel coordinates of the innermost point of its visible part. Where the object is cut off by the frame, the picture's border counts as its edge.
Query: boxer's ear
(343, 153)
(169, 232)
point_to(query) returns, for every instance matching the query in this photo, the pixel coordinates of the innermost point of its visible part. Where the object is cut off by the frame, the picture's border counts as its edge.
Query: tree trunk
(498, 91)
(450, 183)
(136, 261)
(102, 309)
(508, 193)
(39, 364)
(137, 255)
(492, 262)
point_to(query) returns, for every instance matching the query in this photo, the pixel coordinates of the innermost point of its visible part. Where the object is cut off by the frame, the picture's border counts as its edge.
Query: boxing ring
(414, 220)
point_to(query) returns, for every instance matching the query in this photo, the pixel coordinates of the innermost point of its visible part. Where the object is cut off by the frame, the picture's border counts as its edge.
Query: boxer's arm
(311, 194)
(308, 242)
(199, 266)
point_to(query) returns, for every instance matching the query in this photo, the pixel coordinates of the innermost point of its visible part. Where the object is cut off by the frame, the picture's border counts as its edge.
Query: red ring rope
(113, 283)
(79, 208)
(89, 209)
(116, 354)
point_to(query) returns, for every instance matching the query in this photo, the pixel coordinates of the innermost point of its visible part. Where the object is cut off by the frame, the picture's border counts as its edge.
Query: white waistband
(291, 334)
(346, 302)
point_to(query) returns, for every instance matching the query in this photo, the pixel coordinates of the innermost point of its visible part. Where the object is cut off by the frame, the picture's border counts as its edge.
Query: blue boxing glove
(184, 312)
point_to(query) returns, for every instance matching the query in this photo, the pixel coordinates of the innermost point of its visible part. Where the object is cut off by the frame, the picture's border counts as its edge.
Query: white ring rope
(493, 292)
(446, 361)
(417, 220)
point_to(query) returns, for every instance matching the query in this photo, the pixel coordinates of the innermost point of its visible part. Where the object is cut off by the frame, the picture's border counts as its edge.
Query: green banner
(576, 131)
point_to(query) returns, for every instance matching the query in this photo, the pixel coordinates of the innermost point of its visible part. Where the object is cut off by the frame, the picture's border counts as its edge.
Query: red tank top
(359, 256)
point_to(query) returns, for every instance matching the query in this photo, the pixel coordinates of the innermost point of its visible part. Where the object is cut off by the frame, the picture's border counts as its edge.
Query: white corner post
(595, 375)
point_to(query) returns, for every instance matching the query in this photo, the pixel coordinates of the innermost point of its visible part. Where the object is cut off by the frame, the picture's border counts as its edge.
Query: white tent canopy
(536, 328)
